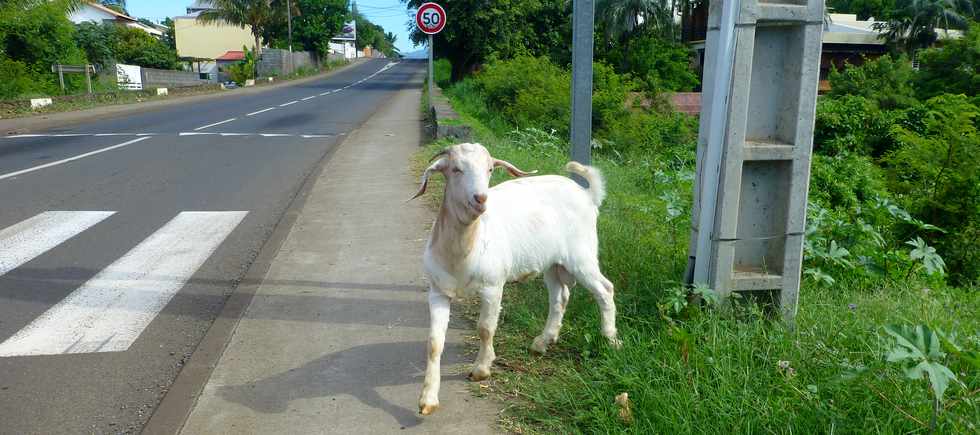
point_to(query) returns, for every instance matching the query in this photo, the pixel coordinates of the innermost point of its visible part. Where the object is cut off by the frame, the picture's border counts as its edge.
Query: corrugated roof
(232, 55)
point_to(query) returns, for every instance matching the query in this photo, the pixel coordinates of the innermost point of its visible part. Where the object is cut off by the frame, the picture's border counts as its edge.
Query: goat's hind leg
(439, 319)
(487, 327)
(557, 300)
(602, 290)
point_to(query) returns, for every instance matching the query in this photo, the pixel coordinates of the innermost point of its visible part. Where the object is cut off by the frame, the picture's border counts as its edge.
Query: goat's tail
(597, 185)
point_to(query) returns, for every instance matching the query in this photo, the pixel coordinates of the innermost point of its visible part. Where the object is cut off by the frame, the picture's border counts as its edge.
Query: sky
(390, 14)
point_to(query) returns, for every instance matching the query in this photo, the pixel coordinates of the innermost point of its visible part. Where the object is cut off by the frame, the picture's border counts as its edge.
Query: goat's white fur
(485, 237)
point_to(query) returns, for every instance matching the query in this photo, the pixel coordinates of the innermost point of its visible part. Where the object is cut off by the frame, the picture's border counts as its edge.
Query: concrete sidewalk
(334, 339)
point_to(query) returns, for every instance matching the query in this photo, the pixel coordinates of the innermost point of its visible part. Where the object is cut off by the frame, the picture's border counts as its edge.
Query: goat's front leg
(487, 326)
(439, 322)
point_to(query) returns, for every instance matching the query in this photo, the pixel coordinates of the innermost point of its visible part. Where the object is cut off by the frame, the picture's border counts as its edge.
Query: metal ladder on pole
(754, 197)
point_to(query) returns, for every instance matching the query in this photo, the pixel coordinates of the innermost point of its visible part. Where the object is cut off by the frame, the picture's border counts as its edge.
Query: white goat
(484, 238)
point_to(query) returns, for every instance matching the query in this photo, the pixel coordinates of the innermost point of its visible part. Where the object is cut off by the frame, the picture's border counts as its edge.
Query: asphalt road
(121, 239)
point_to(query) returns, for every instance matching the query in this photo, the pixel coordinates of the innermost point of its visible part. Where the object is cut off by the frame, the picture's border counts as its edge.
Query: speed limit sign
(430, 18)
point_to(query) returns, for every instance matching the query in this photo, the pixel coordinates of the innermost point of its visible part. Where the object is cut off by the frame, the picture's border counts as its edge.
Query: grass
(705, 371)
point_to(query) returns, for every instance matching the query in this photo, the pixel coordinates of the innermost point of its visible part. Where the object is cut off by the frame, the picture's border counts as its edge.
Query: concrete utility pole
(583, 12)
(754, 147)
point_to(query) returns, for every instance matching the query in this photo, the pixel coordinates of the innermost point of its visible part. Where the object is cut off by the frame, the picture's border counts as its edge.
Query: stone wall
(161, 78)
(277, 62)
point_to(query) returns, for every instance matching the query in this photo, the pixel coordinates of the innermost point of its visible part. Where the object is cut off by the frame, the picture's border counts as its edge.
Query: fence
(277, 62)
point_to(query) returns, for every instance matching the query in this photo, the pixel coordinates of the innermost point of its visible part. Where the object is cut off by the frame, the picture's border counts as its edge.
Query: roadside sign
(430, 18)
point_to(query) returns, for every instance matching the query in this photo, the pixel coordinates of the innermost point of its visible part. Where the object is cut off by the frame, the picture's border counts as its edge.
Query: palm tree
(622, 17)
(256, 14)
(913, 23)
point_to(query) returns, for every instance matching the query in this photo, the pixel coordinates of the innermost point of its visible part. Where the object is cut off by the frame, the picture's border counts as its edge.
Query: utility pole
(583, 12)
(754, 146)
(289, 28)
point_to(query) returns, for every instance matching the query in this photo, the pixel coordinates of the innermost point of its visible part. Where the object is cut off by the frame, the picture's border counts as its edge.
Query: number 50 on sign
(430, 18)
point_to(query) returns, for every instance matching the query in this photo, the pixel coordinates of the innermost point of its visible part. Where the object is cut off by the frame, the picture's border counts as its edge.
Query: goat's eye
(457, 170)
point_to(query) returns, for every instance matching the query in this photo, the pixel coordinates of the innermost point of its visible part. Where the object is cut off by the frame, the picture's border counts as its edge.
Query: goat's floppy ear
(439, 165)
(511, 168)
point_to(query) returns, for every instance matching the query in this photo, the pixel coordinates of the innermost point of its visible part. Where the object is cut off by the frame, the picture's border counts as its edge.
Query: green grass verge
(705, 371)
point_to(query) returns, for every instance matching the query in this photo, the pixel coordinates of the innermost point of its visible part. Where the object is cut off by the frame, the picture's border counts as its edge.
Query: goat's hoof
(426, 409)
(615, 343)
(478, 375)
(539, 346)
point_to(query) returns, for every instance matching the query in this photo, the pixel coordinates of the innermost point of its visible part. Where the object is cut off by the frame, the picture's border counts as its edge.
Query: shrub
(936, 174)
(660, 64)
(243, 70)
(954, 68)
(136, 47)
(528, 92)
(855, 123)
(886, 81)
(98, 41)
(17, 79)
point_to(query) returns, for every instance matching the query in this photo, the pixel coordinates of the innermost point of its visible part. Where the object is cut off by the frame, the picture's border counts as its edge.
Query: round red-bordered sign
(430, 18)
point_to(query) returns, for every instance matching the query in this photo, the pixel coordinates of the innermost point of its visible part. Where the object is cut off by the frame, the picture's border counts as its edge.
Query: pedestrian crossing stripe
(39, 234)
(110, 311)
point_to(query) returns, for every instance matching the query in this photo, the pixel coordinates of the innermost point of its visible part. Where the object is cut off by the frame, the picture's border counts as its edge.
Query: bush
(243, 70)
(98, 41)
(660, 64)
(886, 81)
(34, 39)
(936, 175)
(856, 124)
(528, 92)
(16, 80)
(953, 69)
(137, 47)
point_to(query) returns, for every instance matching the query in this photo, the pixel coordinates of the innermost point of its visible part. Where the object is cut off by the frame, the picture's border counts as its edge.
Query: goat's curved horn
(511, 168)
(437, 166)
(444, 152)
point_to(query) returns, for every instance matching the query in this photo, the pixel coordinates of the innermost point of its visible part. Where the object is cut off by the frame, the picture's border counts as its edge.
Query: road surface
(120, 239)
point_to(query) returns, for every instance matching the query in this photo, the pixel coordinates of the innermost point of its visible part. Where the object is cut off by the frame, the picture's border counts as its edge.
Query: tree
(134, 46)
(620, 18)
(257, 15)
(954, 68)
(912, 24)
(98, 41)
(315, 22)
(370, 34)
(475, 32)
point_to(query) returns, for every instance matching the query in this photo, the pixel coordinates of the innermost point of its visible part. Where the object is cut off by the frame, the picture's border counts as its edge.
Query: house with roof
(203, 44)
(846, 40)
(94, 12)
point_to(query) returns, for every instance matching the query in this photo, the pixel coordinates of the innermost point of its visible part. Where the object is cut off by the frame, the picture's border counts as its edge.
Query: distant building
(96, 13)
(203, 43)
(846, 40)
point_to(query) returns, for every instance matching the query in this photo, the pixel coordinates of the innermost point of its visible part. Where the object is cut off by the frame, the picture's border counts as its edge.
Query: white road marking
(110, 311)
(113, 134)
(323, 94)
(261, 111)
(80, 156)
(289, 103)
(24, 241)
(206, 133)
(216, 123)
(308, 98)
(310, 136)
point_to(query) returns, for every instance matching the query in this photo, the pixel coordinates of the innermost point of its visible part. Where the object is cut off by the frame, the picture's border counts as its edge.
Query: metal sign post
(430, 19)
(583, 12)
